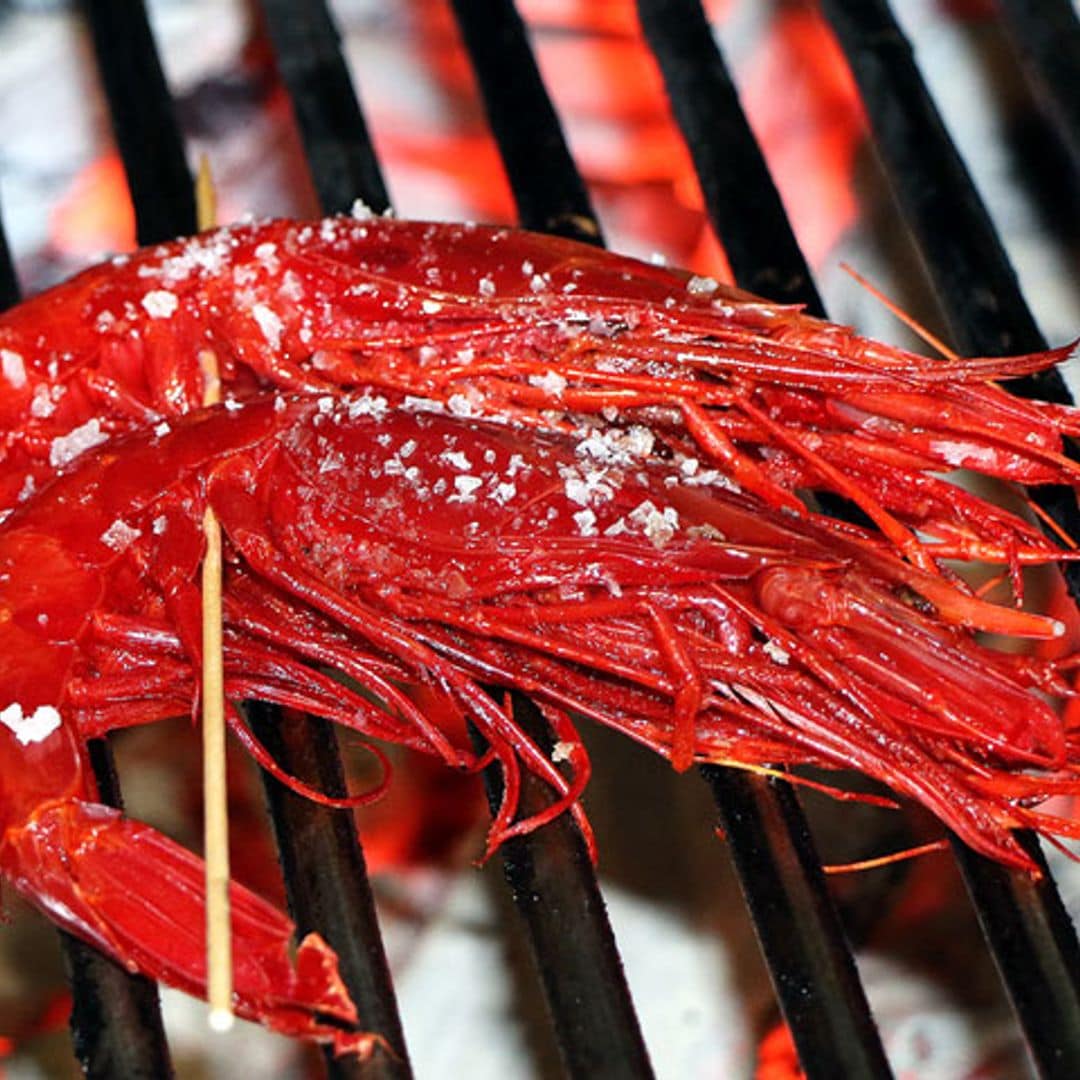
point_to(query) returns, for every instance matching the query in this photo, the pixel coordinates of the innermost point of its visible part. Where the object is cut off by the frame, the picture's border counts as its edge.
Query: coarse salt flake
(465, 487)
(120, 535)
(585, 520)
(269, 323)
(460, 405)
(551, 382)
(562, 751)
(160, 304)
(42, 404)
(776, 653)
(39, 725)
(457, 459)
(430, 307)
(13, 367)
(487, 287)
(66, 448)
(702, 286)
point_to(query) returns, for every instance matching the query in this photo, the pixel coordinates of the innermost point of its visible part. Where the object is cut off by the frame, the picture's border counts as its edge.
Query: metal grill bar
(115, 1020)
(549, 192)
(339, 906)
(143, 120)
(1030, 934)
(797, 925)
(554, 887)
(307, 51)
(809, 959)
(321, 854)
(9, 282)
(551, 197)
(1047, 33)
(740, 197)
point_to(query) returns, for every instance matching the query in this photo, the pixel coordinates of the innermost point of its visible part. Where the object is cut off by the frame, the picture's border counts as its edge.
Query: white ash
(66, 448)
(36, 727)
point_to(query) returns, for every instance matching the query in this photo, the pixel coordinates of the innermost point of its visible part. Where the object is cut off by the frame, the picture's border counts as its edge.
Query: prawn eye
(799, 598)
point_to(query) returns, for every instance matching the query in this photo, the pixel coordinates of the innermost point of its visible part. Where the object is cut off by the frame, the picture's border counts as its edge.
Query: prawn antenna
(215, 802)
(898, 312)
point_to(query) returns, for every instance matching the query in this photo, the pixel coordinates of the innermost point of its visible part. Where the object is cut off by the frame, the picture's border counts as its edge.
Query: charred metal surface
(326, 879)
(547, 187)
(9, 282)
(812, 967)
(1047, 36)
(1034, 946)
(307, 50)
(554, 887)
(1032, 938)
(740, 196)
(143, 120)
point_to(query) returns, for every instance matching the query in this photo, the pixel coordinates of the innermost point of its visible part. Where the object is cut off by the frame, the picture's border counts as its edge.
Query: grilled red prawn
(501, 322)
(407, 547)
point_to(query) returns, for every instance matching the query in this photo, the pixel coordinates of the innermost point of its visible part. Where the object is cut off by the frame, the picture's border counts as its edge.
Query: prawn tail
(139, 897)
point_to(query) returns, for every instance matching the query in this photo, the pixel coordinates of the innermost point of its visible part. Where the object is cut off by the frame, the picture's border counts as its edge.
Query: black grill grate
(1027, 928)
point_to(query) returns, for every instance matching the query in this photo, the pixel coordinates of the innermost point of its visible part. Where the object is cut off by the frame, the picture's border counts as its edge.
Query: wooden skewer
(219, 979)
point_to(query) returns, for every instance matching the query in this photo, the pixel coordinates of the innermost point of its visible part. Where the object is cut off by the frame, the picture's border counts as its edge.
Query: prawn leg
(140, 897)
